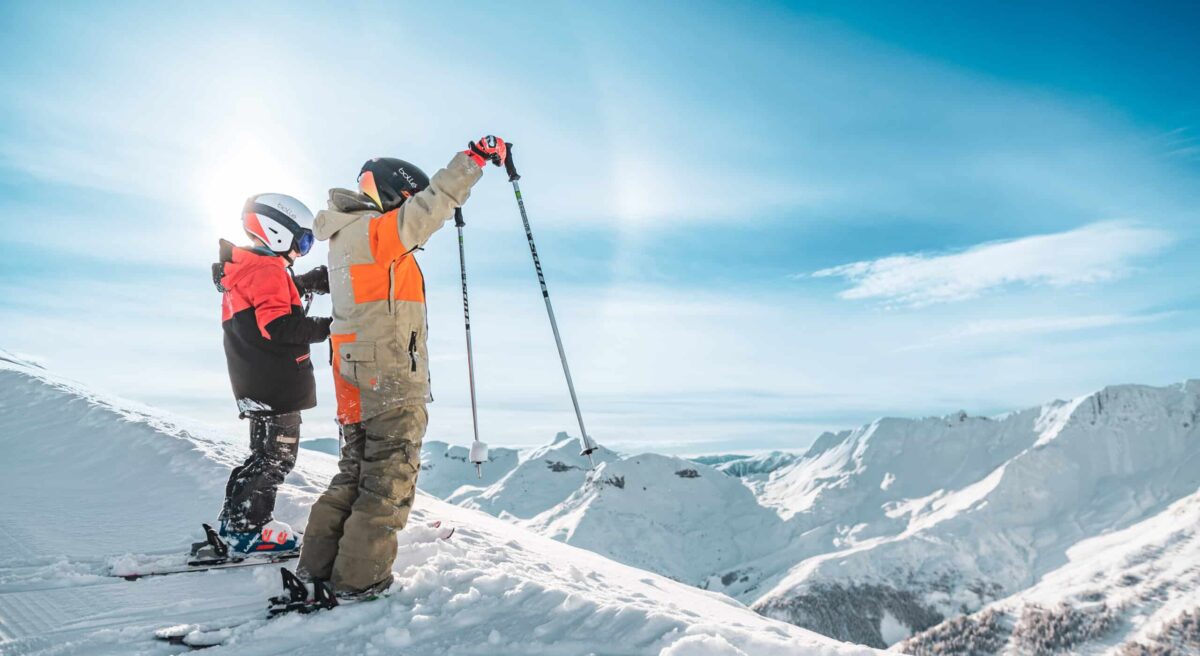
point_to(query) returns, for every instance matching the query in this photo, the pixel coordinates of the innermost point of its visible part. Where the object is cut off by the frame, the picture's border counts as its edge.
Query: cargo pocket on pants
(356, 363)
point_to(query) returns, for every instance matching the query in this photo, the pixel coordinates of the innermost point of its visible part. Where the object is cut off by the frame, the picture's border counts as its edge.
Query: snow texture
(886, 530)
(92, 483)
(979, 509)
(1138, 588)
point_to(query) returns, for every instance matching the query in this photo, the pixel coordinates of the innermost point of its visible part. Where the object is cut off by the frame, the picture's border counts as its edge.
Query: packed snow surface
(92, 483)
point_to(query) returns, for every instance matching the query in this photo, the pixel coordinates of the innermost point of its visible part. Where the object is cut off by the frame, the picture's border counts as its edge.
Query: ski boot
(274, 537)
(296, 597)
(376, 591)
(275, 540)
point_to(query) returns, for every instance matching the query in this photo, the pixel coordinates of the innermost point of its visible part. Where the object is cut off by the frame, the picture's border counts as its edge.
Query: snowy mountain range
(91, 484)
(898, 526)
(1067, 528)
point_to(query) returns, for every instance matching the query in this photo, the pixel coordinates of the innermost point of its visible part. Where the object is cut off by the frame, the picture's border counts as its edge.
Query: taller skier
(381, 368)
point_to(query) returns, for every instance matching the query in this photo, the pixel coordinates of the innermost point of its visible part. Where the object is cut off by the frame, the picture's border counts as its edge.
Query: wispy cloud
(1093, 253)
(1005, 328)
(1032, 325)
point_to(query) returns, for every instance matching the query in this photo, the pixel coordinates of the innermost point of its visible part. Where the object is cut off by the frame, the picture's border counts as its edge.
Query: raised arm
(424, 213)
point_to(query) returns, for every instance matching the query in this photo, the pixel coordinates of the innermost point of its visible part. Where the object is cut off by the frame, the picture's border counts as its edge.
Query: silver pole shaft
(462, 261)
(588, 446)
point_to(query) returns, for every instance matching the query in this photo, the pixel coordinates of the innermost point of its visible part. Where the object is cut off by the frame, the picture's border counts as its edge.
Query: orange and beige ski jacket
(380, 359)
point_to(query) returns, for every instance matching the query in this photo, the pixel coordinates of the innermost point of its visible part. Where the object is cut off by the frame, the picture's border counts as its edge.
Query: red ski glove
(487, 149)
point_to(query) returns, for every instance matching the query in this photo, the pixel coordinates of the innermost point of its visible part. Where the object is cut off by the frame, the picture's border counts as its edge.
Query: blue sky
(758, 222)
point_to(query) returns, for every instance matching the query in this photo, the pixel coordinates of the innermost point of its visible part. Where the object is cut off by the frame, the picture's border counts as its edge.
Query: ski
(295, 600)
(444, 531)
(313, 605)
(206, 565)
(199, 636)
(213, 553)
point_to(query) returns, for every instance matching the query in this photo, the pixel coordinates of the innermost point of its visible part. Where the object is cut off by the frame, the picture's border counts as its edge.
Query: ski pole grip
(458, 218)
(510, 166)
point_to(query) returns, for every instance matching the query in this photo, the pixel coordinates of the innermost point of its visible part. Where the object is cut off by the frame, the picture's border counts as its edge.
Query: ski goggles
(304, 242)
(366, 184)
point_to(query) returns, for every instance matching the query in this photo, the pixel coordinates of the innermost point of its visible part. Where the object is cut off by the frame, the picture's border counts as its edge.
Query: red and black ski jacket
(267, 334)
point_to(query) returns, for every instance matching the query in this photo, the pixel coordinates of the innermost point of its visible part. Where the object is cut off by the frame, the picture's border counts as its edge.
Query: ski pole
(587, 446)
(479, 450)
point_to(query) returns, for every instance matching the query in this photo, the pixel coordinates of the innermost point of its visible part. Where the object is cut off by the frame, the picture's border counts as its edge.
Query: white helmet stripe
(279, 217)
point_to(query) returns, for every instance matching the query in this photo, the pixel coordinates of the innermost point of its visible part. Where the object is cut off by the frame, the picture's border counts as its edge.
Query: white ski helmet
(280, 222)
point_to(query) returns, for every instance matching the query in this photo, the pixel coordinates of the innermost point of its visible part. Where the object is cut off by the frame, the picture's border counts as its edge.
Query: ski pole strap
(458, 218)
(510, 166)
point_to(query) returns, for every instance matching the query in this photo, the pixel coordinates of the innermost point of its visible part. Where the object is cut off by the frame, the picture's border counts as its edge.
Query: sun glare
(238, 168)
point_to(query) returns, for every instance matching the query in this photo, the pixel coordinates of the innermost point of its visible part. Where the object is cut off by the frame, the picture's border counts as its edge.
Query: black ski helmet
(389, 181)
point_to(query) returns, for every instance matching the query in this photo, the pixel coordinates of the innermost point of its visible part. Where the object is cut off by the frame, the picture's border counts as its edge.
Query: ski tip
(442, 532)
(174, 631)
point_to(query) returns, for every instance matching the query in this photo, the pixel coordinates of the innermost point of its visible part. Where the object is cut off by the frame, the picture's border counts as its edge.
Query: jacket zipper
(412, 349)
(424, 294)
(391, 288)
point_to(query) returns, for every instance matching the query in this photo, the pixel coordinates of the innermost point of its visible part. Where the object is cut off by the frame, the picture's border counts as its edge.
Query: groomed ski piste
(94, 486)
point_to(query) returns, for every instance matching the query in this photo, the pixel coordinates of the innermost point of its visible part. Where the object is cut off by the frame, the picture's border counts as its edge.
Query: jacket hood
(345, 207)
(236, 262)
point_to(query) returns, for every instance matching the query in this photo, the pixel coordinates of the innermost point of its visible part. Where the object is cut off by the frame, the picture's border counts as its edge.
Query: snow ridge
(89, 480)
(888, 528)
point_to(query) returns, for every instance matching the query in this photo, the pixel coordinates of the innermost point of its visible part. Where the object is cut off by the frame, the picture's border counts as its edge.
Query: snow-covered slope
(757, 471)
(668, 515)
(86, 481)
(902, 523)
(881, 531)
(543, 478)
(445, 469)
(758, 466)
(1134, 591)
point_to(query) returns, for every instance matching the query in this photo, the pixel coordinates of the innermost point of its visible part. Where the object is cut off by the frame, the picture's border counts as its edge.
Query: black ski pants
(250, 492)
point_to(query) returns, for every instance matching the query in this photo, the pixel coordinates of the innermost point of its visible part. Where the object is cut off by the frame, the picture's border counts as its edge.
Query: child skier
(267, 337)
(381, 364)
